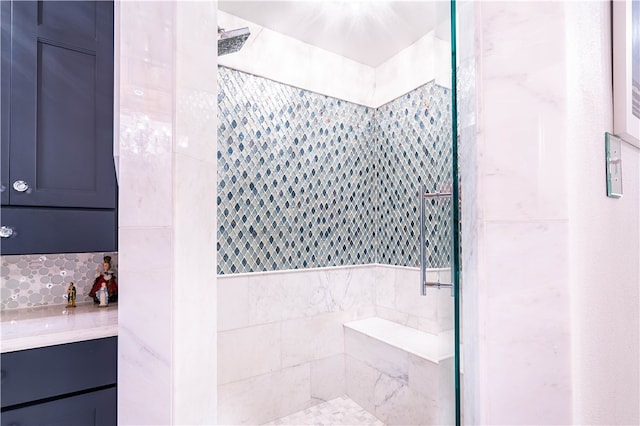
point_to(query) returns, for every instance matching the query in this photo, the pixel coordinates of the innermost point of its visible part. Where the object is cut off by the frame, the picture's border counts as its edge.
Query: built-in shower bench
(400, 374)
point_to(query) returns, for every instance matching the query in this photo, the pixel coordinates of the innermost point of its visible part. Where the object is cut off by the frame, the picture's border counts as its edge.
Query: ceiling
(369, 32)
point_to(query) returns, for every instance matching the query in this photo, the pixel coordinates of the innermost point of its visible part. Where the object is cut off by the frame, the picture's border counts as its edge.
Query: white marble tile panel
(397, 404)
(445, 311)
(196, 123)
(233, 302)
(194, 288)
(267, 295)
(328, 378)
(507, 23)
(408, 296)
(264, 398)
(144, 305)
(144, 317)
(385, 295)
(426, 325)
(144, 376)
(393, 315)
(446, 392)
(523, 178)
(360, 380)
(424, 376)
(248, 352)
(308, 339)
(193, 23)
(398, 298)
(143, 250)
(306, 293)
(381, 356)
(145, 158)
(529, 318)
(145, 108)
(351, 287)
(366, 311)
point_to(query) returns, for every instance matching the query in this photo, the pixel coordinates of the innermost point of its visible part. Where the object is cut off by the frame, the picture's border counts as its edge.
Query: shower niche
(330, 120)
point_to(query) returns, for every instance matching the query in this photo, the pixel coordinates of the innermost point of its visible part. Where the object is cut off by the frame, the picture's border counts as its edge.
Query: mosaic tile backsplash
(306, 180)
(37, 280)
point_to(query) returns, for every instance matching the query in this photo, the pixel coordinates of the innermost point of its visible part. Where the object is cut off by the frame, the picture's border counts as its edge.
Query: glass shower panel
(334, 200)
(438, 198)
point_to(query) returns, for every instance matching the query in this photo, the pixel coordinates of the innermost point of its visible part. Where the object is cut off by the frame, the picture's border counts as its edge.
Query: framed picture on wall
(626, 70)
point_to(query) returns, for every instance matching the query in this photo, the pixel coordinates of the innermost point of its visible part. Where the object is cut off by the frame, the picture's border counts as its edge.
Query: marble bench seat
(401, 375)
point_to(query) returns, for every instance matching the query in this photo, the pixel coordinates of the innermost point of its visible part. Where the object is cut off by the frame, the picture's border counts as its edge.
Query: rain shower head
(231, 41)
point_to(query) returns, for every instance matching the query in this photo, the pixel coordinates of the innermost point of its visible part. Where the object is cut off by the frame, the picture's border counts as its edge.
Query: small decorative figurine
(103, 295)
(71, 296)
(105, 286)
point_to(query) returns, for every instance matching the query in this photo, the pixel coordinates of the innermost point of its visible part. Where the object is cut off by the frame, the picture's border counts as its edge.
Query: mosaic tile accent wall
(306, 180)
(294, 170)
(413, 146)
(37, 280)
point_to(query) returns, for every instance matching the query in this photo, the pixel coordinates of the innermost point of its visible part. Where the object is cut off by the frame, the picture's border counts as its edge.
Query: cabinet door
(97, 408)
(61, 100)
(5, 62)
(54, 371)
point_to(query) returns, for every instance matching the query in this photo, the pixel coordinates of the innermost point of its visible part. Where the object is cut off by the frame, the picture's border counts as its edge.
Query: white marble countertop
(54, 325)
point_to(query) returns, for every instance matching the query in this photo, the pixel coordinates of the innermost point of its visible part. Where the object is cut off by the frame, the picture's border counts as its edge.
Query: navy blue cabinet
(71, 384)
(57, 125)
(92, 408)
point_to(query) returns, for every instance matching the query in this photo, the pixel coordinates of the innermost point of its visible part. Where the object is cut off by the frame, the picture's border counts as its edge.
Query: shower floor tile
(339, 411)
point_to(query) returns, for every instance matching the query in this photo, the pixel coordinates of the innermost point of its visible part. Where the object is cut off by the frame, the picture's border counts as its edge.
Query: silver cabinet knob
(2, 188)
(6, 231)
(20, 186)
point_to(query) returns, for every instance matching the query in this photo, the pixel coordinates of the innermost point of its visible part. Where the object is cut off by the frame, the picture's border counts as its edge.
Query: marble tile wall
(281, 339)
(165, 71)
(38, 280)
(397, 298)
(513, 159)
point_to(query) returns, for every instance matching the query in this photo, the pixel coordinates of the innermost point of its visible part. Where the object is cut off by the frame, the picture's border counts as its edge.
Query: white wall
(550, 264)
(604, 240)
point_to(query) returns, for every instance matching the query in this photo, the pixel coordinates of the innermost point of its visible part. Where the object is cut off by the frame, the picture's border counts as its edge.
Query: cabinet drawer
(35, 374)
(97, 408)
(49, 230)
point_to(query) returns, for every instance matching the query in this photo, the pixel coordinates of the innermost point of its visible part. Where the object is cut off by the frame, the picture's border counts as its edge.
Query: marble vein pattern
(401, 375)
